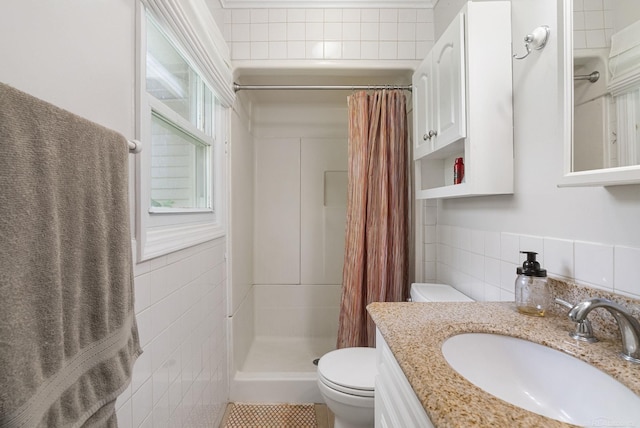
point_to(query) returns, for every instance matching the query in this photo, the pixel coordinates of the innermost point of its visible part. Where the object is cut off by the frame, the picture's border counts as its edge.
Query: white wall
(75, 54)
(241, 196)
(589, 234)
(277, 214)
(299, 195)
(80, 56)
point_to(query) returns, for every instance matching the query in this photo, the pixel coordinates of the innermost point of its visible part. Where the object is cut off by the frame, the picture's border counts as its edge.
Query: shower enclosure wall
(289, 150)
(288, 316)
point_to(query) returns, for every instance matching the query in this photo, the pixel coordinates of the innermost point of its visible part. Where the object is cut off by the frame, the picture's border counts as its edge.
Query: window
(183, 128)
(179, 168)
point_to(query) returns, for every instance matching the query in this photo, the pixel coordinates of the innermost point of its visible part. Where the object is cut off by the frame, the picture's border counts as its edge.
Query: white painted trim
(158, 233)
(565, 69)
(328, 4)
(626, 82)
(161, 241)
(348, 67)
(193, 26)
(602, 177)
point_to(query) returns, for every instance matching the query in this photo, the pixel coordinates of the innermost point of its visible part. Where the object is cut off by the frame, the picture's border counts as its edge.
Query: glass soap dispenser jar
(532, 291)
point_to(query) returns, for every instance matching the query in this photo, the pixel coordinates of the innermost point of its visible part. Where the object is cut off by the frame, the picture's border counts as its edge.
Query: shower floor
(280, 370)
(274, 354)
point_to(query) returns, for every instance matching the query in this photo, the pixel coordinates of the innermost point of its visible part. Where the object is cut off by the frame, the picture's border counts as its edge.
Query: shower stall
(288, 199)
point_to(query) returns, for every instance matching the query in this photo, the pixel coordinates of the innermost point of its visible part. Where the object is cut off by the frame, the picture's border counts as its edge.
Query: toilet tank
(428, 292)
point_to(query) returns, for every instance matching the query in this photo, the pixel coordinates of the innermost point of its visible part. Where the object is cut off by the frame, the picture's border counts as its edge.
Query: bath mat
(240, 415)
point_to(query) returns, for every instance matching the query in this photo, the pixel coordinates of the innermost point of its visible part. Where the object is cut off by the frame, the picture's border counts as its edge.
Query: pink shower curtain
(376, 265)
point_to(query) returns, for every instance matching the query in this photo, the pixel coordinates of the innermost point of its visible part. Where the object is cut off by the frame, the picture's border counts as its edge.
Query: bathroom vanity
(410, 353)
(396, 404)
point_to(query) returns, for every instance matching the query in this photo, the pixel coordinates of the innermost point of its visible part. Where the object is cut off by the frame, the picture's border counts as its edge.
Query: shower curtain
(376, 265)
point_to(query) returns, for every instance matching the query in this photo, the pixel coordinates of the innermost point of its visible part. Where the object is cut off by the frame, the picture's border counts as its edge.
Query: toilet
(346, 376)
(429, 292)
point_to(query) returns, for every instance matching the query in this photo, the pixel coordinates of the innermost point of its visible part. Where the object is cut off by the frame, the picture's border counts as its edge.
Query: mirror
(605, 103)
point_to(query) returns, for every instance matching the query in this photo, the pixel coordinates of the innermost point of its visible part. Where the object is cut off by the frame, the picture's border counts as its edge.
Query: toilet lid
(349, 368)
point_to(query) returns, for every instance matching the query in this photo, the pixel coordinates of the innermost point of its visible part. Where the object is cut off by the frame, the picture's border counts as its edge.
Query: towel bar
(135, 146)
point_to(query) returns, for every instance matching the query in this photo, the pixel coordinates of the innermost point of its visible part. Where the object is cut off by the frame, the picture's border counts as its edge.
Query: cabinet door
(449, 85)
(422, 109)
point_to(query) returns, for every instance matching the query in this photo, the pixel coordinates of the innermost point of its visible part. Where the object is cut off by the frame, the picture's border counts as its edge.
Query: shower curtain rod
(237, 87)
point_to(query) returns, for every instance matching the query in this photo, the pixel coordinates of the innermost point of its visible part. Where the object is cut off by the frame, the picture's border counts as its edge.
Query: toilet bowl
(430, 292)
(346, 380)
(346, 376)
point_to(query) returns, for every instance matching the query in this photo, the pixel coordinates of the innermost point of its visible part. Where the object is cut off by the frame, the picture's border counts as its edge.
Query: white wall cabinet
(462, 106)
(440, 86)
(396, 405)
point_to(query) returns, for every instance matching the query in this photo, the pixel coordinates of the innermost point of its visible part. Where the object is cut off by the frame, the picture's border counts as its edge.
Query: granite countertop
(415, 333)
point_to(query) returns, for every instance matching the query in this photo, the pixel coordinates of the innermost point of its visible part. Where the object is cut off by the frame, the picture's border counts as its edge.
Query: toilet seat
(364, 393)
(349, 370)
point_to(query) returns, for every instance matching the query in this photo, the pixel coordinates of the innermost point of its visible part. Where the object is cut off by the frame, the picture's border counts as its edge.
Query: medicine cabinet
(462, 106)
(601, 115)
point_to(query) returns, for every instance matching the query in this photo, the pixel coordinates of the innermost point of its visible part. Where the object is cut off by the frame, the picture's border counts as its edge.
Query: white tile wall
(594, 263)
(180, 310)
(430, 240)
(487, 272)
(625, 273)
(347, 34)
(592, 24)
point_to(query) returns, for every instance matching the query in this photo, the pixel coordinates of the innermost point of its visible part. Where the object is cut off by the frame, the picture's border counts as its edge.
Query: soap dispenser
(532, 292)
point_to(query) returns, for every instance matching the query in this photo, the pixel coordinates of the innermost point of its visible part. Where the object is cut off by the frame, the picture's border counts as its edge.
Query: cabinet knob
(431, 134)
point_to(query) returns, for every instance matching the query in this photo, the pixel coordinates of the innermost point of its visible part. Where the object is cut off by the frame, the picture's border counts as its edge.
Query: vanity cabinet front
(396, 405)
(462, 106)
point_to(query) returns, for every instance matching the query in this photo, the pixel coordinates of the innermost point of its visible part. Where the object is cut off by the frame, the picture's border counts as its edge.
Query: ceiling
(341, 4)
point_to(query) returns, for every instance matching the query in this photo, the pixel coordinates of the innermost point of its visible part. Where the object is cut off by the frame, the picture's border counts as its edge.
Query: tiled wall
(482, 264)
(346, 34)
(430, 241)
(181, 378)
(593, 23)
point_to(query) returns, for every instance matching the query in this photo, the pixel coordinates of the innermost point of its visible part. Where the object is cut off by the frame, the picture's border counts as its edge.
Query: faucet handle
(583, 332)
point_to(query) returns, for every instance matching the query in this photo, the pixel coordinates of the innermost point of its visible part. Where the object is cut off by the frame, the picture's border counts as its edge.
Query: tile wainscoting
(181, 378)
(482, 264)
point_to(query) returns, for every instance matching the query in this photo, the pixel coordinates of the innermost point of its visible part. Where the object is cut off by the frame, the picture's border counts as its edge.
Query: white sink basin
(542, 380)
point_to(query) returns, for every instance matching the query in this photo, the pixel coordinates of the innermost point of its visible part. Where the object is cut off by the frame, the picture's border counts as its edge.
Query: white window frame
(162, 231)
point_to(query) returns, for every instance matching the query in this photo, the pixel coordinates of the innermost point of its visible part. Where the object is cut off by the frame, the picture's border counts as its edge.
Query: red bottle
(458, 171)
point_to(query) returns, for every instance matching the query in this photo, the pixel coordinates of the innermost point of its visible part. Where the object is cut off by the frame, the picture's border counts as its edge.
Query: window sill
(166, 210)
(163, 240)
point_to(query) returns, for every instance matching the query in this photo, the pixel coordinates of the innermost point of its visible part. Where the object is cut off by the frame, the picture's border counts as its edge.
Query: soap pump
(532, 292)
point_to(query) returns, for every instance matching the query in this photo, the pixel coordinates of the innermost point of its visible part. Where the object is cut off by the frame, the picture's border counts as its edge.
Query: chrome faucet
(584, 331)
(629, 326)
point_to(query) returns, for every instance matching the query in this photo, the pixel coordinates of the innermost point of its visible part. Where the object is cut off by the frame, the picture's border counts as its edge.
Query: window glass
(179, 167)
(169, 77)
